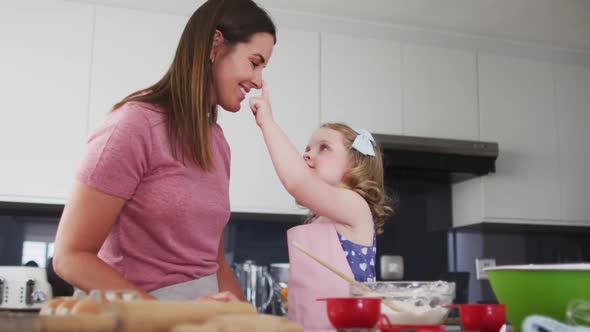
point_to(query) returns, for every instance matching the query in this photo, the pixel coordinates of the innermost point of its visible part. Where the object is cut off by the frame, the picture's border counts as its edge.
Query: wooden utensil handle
(342, 275)
(330, 267)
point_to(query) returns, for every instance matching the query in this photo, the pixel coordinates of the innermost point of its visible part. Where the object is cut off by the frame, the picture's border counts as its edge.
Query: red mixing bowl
(481, 317)
(353, 312)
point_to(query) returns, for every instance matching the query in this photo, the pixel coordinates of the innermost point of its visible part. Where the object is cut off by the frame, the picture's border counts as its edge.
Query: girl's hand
(220, 297)
(261, 107)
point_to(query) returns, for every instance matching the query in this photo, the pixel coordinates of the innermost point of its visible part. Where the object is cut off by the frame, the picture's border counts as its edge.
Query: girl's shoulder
(320, 224)
(322, 220)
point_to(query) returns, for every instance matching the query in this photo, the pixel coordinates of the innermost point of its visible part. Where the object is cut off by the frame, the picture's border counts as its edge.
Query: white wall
(64, 69)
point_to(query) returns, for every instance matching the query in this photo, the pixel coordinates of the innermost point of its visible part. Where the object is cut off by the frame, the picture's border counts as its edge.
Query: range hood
(438, 159)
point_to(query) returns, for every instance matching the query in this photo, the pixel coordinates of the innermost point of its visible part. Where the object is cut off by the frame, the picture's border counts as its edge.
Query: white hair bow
(364, 142)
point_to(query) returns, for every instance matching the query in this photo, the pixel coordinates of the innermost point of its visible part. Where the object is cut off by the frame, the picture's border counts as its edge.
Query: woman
(151, 199)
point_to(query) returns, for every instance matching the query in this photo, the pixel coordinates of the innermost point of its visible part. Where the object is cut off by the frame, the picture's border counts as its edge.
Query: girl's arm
(339, 204)
(85, 223)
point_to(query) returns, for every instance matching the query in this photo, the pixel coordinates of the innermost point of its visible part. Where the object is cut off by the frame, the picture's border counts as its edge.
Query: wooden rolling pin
(81, 322)
(156, 316)
(135, 316)
(239, 323)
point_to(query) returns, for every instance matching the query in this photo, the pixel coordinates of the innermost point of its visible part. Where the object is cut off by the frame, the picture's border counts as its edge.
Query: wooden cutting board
(239, 323)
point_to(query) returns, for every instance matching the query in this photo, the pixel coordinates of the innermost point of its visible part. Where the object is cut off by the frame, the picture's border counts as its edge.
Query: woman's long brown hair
(183, 91)
(365, 177)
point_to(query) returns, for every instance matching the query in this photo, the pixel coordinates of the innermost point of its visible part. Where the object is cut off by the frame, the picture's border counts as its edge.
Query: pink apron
(308, 280)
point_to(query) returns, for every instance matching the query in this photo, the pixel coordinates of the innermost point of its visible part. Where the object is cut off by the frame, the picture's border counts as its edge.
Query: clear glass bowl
(421, 302)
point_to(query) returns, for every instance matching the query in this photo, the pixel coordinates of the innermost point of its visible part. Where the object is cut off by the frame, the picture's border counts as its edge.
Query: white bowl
(421, 302)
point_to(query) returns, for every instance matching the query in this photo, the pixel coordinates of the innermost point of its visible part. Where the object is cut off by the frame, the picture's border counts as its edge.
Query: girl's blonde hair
(365, 177)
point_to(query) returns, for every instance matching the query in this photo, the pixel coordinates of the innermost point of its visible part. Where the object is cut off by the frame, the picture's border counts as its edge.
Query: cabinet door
(132, 50)
(573, 114)
(294, 92)
(44, 64)
(517, 108)
(440, 95)
(361, 83)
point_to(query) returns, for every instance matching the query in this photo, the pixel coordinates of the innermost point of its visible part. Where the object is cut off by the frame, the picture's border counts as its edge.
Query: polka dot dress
(360, 258)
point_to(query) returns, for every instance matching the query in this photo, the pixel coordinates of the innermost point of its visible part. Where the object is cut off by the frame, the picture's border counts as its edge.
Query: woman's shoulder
(137, 112)
(131, 119)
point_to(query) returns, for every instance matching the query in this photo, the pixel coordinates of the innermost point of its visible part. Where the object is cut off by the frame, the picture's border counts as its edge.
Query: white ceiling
(558, 23)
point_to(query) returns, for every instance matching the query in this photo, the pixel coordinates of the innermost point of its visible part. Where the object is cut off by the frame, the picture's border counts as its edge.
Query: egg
(87, 306)
(49, 308)
(65, 307)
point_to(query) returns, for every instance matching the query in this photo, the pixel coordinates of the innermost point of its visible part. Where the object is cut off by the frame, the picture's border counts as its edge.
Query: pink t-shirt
(169, 230)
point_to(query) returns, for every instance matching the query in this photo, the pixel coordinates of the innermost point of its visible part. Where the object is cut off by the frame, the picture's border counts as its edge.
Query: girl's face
(327, 156)
(237, 69)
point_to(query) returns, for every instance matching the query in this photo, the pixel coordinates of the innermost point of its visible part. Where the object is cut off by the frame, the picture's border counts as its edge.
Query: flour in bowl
(414, 315)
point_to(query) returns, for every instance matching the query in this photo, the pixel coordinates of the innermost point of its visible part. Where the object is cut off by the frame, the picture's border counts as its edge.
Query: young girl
(340, 180)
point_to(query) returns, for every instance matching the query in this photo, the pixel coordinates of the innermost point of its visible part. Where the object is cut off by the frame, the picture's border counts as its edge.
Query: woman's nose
(257, 80)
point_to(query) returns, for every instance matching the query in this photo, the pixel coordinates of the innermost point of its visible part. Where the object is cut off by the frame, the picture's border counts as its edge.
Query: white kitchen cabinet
(294, 91)
(517, 109)
(573, 119)
(440, 92)
(45, 54)
(361, 83)
(132, 50)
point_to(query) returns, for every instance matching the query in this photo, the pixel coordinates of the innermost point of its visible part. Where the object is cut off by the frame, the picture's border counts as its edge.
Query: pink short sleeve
(118, 154)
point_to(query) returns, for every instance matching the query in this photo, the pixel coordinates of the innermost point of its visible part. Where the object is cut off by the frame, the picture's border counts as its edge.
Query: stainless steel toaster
(23, 288)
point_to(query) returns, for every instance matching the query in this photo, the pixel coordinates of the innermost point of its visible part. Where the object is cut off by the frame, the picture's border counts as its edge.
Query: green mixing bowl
(539, 289)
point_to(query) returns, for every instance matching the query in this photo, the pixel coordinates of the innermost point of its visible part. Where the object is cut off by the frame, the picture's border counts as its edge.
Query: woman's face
(237, 69)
